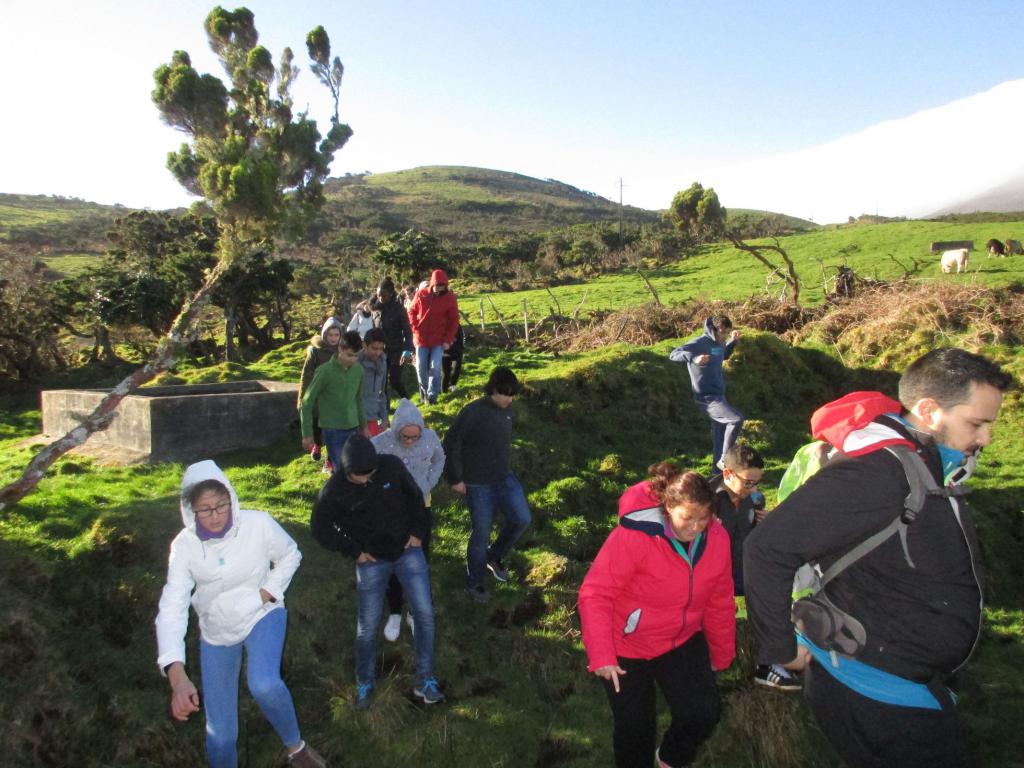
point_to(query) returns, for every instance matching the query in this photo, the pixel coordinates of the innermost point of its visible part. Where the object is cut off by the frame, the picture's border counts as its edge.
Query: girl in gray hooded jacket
(420, 450)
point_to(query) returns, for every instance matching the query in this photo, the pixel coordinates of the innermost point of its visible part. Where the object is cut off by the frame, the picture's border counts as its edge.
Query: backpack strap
(922, 485)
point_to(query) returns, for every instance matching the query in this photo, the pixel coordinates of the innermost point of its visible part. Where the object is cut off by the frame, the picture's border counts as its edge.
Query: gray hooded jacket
(424, 458)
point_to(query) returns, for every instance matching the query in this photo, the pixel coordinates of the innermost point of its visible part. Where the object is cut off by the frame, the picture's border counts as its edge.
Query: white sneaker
(411, 622)
(393, 627)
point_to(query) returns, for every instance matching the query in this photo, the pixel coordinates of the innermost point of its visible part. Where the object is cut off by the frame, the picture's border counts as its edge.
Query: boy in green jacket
(337, 391)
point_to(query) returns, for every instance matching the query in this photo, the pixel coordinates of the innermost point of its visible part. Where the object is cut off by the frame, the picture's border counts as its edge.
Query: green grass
(82, 561)
(880, 251)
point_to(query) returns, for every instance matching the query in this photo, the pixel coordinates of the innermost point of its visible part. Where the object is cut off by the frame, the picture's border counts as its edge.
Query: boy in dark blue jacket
(704, 357)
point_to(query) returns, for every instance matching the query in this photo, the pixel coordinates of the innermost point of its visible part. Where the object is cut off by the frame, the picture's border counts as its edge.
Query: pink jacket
(641, 599)
(434, 317)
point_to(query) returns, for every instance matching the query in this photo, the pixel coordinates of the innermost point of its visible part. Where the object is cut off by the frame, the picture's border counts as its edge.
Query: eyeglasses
(409, 438)
(207, 512)
(748, 483)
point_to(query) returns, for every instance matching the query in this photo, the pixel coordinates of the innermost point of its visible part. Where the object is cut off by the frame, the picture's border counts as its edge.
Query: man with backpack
(885, 522)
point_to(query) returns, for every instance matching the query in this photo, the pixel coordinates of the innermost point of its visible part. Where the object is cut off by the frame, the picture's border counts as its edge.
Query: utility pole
(621, 185)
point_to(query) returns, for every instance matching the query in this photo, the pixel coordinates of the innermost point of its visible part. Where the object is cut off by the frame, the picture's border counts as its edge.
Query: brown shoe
(307, 757)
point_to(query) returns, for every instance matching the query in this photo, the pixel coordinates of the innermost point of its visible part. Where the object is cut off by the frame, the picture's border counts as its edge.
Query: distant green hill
(463, 204)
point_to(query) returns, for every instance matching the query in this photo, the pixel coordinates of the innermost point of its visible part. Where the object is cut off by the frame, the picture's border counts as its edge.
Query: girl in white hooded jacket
(221, 564)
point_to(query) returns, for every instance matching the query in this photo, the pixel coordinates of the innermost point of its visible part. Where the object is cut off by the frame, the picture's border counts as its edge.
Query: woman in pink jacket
(657, 607)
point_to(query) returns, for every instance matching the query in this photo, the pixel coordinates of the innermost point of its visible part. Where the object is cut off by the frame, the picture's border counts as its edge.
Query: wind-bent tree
(698, 213)
(259, 167)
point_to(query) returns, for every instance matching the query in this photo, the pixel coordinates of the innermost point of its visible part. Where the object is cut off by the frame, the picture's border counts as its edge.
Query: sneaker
(364, 692)
(479, 593)
(659, 763)
(314, 452)
(720, 466)
(307, 757)
(498, 570)
(328, 468)
(393, 627)
(776, 676)
(432, 400)
(429, 692)
(411, 622)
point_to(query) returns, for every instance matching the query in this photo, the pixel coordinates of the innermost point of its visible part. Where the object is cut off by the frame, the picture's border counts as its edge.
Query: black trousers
(395, 373)
(687, 682)
(869, 734)
(394, 592)
(451, 369)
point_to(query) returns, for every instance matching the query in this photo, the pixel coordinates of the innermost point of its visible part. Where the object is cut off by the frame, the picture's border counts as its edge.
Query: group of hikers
(875, 504)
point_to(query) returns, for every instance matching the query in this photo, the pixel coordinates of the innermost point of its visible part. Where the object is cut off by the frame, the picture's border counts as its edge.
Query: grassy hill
(719, 271)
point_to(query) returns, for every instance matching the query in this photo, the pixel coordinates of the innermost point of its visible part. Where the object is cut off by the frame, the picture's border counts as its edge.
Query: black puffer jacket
(392, 318)
(377, 518)
(923, 622)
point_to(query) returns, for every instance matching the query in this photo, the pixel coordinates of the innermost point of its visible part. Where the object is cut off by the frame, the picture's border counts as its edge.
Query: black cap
(358, 456)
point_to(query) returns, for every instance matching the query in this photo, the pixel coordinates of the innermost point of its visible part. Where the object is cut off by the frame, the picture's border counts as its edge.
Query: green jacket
(338, 394)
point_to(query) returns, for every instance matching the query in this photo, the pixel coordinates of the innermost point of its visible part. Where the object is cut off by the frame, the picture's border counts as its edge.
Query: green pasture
(82, 561)
(719, 271)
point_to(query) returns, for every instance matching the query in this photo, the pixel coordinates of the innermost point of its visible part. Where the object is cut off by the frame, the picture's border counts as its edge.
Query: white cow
(957, 258)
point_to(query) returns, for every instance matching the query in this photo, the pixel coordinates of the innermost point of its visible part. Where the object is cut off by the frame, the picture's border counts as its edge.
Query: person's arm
(412, 496)
(688, 352)
(308, 368)
(284, 553)
(312, 393)
(614, 567)
(730, 344)
(360, 408)
(836, 509)
(453, 447)
(406, 332)
(327, 521)
(414, 312)
(451, 321)
(719, 623)
(172, 616)
(437, 459)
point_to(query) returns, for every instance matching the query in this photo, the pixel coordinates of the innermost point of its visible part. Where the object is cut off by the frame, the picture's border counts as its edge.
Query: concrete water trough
(180, 422)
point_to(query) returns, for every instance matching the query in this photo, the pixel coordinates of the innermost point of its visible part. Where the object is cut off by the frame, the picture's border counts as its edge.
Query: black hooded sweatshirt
(377, 518)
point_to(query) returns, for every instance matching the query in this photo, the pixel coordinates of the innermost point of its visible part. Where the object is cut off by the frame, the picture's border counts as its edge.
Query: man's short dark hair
(742, 456)
(946, 376)
(350, 340)
(502, 382)
(374, 335)
(721, 322)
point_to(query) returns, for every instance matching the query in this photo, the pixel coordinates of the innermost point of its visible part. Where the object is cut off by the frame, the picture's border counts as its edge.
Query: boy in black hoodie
(372, 511)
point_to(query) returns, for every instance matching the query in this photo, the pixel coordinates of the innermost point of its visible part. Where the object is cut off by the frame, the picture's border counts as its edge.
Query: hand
(184, 696)
(267, 597)
(611, 672)
(760, 515)
(307, 443)
(702, 359)
(364, 431)
(365, 557)
(732, 337)
(801, 660)
(446, 346)
(413, 542)
(459, 488)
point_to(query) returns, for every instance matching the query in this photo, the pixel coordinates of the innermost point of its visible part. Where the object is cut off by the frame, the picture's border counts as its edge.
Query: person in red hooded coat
(657, 607)
(434, 319)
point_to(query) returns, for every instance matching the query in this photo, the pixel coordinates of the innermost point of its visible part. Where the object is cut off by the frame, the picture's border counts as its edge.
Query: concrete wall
(182, 423)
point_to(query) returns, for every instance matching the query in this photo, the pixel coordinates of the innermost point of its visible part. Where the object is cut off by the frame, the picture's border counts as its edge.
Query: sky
(656, 94)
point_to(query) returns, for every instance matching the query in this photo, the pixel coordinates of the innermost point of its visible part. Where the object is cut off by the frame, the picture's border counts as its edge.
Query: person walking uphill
(911, 603)
(372, 511)
(656, 606)
(420, 451)
(434, 319)
(478, 448)
(233, 565)
(704, 357)
(392, 318)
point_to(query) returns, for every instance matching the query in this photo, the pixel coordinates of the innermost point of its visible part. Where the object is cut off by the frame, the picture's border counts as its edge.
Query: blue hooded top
(707, 380)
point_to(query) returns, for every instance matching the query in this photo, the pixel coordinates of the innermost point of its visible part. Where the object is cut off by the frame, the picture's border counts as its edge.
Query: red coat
(641, 599)
(434, 317)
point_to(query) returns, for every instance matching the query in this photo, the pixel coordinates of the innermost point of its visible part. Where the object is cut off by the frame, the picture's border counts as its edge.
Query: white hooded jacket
(222, 576)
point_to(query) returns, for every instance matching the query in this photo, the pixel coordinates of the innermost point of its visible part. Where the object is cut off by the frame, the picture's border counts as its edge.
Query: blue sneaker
(364, 692)
(429, 691)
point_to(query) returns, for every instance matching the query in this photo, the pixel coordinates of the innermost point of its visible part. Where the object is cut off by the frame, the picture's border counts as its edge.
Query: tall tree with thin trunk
(259, 167)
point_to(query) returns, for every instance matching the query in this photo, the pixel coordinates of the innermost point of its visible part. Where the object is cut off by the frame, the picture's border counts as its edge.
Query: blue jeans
(726, 423)
(428, 369)
(484, 500)
(334, 441)
(220, 666)
(371, 581)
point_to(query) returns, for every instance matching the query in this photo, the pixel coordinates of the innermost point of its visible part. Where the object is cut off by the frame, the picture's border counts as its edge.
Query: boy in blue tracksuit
(704, 357)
